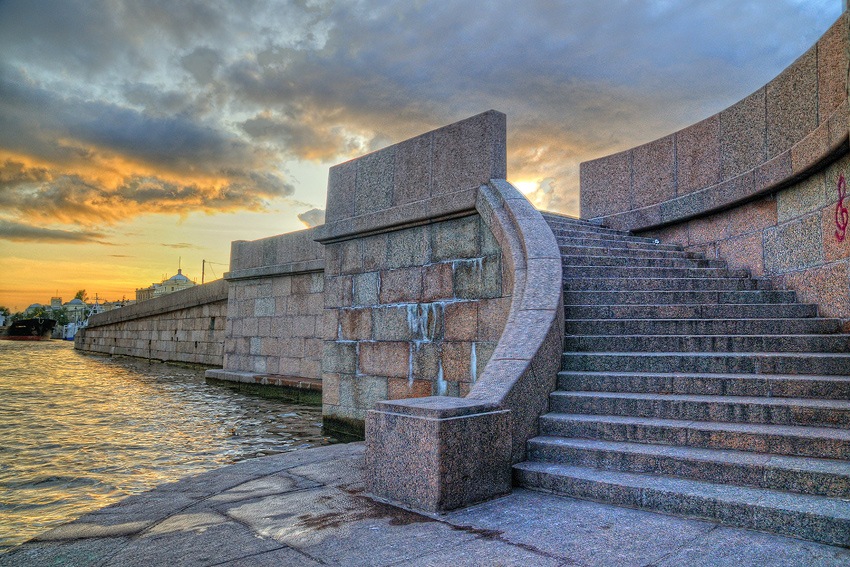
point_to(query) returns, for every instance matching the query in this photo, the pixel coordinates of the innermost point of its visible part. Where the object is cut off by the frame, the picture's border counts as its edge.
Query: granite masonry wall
(443, 314)
(410, 313)
(186, 326)
(274, 333)
(759, 184)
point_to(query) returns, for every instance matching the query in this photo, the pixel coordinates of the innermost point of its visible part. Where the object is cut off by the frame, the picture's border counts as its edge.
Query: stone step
(730, 409)
(710, 362)
(793, 440)
(668, 297)
(571, 249)
(816, 518)
(557, 221)
(695, 326)
(620, 244)
(566, 235)
(572, 270)
(640, 262)
(760, 385)
(836, 343)
(662, 284)
(693, 311)
(802, 475)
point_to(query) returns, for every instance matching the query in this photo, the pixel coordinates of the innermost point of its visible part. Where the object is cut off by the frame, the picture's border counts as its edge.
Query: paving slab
(308, 508)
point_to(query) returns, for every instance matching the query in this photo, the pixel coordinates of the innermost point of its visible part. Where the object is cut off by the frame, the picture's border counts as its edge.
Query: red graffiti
(841, 215)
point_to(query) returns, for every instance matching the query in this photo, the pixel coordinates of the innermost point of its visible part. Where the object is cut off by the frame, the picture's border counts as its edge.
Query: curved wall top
(792, 125)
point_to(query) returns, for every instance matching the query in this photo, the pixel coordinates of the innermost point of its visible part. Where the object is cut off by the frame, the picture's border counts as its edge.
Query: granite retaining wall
(186, 326)
(761, 184)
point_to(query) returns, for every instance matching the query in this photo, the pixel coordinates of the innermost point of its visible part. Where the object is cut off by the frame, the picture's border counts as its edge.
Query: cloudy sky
(135, 134)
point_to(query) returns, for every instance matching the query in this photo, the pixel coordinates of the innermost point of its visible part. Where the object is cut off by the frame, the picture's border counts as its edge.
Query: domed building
(175, 283)
(76, 310)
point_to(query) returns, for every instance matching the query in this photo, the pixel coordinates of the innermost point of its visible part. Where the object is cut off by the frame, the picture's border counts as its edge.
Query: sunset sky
(136, 133)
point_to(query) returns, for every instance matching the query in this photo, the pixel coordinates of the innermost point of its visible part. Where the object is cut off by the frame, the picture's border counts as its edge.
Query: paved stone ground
(307, 508)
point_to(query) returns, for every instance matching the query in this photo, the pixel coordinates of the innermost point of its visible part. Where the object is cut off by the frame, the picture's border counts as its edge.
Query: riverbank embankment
(308, 508)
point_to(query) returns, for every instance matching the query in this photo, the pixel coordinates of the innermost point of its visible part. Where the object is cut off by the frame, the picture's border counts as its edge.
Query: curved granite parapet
(792, 126)
(522, 370)
(439, 453)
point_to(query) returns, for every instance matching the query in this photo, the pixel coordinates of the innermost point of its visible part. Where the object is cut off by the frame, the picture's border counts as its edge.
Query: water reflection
(78, 432)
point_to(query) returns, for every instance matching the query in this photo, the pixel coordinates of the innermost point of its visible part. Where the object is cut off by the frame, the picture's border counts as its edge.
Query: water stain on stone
(365, 509)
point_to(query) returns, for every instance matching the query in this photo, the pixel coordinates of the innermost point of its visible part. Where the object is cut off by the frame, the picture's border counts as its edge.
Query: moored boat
(37, 329)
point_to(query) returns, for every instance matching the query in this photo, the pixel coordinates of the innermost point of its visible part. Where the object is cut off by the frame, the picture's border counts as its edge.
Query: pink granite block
(606, 185)
(743, 252)
(742, 135)
(391, 359)
(461, 321)
(413, 162)
(469, 153)
(698, 155)
(653, 176)
(355, 324)
(403, 285)
(402, 388)
(792, 103)
(438, 453)
(437, 282)
(832, 67)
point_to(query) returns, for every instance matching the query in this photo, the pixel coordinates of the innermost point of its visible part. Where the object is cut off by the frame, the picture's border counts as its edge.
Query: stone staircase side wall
(758, 184)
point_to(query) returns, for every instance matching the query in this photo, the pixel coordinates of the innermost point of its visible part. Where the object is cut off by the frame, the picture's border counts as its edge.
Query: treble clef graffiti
(841, 214)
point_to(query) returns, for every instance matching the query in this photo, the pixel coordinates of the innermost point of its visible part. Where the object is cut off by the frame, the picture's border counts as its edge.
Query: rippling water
(78, 432)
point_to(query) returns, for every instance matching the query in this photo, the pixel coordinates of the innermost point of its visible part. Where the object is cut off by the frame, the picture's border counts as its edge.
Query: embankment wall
(187, 326)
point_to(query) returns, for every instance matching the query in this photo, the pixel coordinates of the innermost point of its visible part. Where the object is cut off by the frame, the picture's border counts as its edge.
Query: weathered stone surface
(653, 172)
(793, 245)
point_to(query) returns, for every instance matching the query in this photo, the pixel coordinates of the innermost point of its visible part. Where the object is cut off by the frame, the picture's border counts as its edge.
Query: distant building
(76, 310)
(175, 283)
(55, 303)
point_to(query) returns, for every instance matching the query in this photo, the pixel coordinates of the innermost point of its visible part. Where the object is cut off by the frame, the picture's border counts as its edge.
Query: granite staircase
(691, 389)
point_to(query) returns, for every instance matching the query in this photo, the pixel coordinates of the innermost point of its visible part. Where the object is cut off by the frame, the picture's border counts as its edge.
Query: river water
(79, 432)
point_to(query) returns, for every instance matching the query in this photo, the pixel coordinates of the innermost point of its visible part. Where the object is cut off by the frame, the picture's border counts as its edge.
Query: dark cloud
(208, 99)
(182, 245)
(19, 232)
(313, 217)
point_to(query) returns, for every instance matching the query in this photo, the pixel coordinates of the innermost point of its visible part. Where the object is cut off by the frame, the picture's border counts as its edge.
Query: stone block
(350, 256)
(606, 185)
(264, 307)
(437, 282)
(408, 247)
(794, 245)
(339, 357)
(438, 453)
(374, 252)
(390, 359)
(461, 320)
(454, 239)
(354, 324)
(744, 252)
(339, 291)
(365, 288)
(426, 361)
(653, 175)
(375, 175)
(402, 388)
(742, 135)
(391, 324)
(827, 286)
(804, 197)
(811, 150)
(402, 285)
(832, 58)
(492, 315)
(341, 187)
(413, 170)
(456, 359)
(792, 103)
(698, 155)
(754, 216)
(469, 153)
